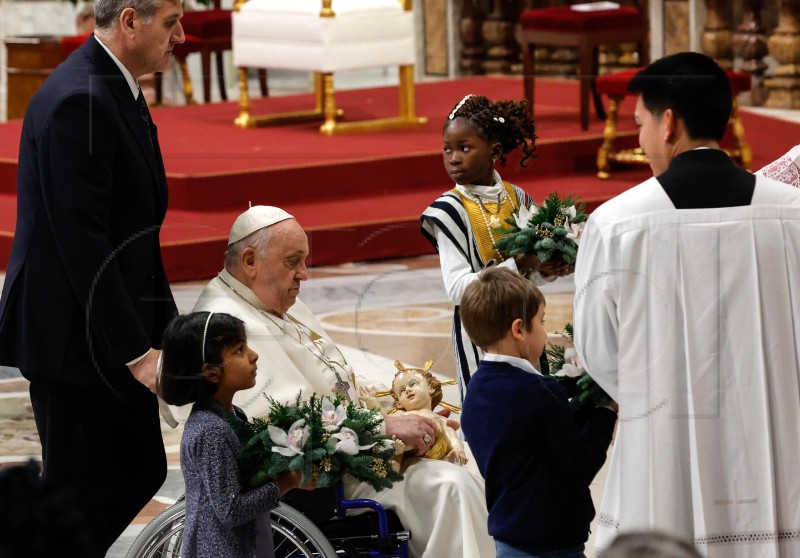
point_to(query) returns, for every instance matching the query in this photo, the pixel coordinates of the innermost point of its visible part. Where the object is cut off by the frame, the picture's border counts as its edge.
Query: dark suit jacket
(85, 289)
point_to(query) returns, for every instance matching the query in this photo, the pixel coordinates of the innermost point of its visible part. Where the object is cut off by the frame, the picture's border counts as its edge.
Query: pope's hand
(413, 429)
(145, 370)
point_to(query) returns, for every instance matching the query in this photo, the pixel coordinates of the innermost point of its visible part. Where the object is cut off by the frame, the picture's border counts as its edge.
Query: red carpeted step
(369, 228)
(360, 195)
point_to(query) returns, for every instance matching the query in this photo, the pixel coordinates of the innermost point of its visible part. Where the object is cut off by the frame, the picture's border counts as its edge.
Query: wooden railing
(760, 37)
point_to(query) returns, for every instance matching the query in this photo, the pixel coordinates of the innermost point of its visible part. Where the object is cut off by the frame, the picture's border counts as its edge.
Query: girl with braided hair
(461, 224)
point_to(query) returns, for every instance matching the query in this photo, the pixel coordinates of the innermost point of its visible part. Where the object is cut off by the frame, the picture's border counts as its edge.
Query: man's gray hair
(107, 12)
(258, 240)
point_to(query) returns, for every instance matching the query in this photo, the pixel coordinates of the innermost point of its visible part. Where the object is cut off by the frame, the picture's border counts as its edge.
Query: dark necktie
(145, 116)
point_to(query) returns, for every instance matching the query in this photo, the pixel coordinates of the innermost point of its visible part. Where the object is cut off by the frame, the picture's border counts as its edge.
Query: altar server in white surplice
(687, 312)
(442, 504)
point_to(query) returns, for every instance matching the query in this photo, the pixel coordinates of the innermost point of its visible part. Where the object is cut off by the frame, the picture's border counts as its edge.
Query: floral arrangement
(325, 438)
(552, 230)
(565, 367)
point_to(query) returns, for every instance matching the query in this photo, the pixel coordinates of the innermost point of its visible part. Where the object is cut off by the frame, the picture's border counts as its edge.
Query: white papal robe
(690, 319)
(441, 504)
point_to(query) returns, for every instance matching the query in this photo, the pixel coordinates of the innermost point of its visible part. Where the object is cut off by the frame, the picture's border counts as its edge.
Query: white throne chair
(325, 36)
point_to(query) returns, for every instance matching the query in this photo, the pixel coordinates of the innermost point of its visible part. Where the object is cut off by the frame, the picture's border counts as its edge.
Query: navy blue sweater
(538, 458)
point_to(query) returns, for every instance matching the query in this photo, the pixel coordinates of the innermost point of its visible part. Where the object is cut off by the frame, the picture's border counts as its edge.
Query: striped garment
(449, 215)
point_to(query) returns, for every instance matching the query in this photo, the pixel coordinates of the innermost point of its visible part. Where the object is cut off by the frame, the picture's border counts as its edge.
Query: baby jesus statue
(416, 390)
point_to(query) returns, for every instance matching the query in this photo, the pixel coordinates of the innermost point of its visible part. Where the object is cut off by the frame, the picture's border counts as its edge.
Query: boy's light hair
(492, 302)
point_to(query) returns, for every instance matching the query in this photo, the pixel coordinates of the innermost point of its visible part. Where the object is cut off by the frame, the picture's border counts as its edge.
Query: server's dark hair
(694, 86)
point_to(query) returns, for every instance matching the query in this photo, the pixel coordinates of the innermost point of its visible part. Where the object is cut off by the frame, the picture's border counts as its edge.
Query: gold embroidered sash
(485, 237)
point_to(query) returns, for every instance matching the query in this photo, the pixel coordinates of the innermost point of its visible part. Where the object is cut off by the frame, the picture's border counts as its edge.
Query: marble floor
(378, 312)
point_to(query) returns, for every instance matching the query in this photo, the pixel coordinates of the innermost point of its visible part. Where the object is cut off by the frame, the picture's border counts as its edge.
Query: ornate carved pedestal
(750, 45)
(717, 37)
(784, 45)
(470, 31)
(502, 52)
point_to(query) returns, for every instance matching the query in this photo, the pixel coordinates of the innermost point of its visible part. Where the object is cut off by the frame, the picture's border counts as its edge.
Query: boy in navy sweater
(538, 458)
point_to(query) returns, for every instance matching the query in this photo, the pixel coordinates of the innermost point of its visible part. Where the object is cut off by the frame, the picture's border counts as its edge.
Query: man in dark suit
(86, 299)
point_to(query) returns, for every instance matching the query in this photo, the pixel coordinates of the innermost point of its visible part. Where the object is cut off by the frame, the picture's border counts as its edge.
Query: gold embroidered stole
(485, 237)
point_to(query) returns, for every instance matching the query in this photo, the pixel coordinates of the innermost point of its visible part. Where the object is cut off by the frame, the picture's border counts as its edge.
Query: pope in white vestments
(686, 312)
(440, 503)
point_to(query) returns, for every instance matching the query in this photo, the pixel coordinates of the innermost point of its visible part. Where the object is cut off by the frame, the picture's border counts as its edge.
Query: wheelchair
(376, 534)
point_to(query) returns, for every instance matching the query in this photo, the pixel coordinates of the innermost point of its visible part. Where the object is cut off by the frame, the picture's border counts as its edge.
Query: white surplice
(690, 319)
(441, 504)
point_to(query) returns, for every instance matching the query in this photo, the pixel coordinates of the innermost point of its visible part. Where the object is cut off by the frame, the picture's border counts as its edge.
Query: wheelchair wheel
(294, 535)
(162, 537)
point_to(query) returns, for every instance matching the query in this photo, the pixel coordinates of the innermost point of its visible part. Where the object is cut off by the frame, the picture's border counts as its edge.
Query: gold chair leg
(325, 108)
(406, 117)
(609, 135)
(328, 104)
(188, 90)
(244, 120)
(247, 120)
(742, 152)
(319, 92)
(407, 101)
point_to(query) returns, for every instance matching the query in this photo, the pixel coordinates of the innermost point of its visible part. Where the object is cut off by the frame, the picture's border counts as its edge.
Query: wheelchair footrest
(355, 535)
(374, 545)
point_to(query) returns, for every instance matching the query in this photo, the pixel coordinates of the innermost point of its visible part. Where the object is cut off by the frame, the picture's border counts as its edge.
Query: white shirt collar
(516, 361)
(132, 83)
(488, 193)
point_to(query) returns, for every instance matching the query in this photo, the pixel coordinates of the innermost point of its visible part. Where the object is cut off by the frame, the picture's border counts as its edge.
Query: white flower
(572, 367)
(575, 233)
(524, 215)
(291, 442)
(332, 418)
(570, 211)
(348, 442)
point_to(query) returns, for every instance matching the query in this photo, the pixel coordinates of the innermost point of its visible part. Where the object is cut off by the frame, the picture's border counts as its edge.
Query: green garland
(547, 231)
(316, 454)
(581, 390)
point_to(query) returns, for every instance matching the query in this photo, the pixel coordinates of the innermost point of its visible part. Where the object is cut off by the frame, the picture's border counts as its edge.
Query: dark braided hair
(508, 122)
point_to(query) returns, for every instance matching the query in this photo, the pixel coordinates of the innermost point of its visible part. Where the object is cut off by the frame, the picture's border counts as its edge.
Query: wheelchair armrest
(361, 503)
